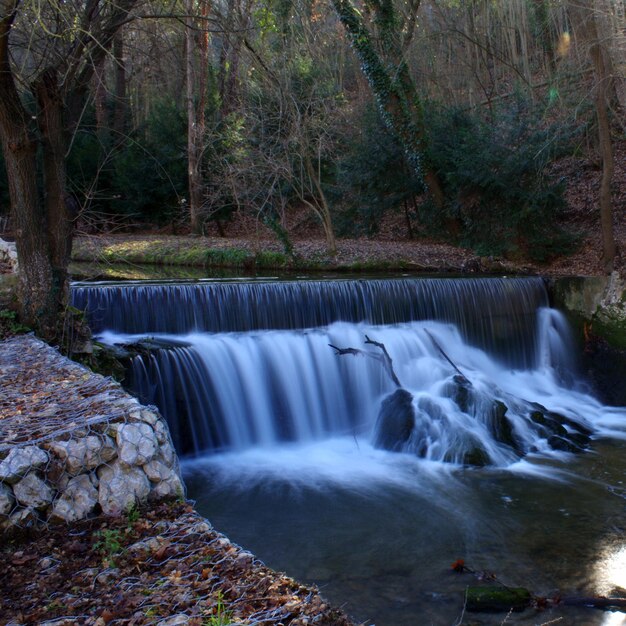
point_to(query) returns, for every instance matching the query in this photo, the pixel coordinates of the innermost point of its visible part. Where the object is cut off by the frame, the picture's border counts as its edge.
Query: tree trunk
(196, 104)
(320, 206)
(36, 294)
(119, 115)
(58, 220)
(584, 19)
(606, 151)
(44, 221)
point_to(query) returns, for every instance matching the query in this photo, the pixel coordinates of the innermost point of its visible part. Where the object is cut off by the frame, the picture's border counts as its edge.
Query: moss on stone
(489, 599)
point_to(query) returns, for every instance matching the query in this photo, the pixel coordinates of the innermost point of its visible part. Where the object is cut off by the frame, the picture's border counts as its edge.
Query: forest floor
(249, 244)
(160, 565)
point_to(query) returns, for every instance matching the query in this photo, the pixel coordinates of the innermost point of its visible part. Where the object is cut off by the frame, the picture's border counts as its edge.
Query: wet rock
(395, 422)
(501, 427)
(21, 460)
(33, 492)
(121, 487)
(476, 456)
(548, 425)
(137, 443)
(77, 501)
(85, 453)
(7, 502)
(172, 487)
(561, 432)
(560, 443)
(460, 390)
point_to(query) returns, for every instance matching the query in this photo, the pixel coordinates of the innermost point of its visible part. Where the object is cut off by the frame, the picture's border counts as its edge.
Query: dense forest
(189, 115)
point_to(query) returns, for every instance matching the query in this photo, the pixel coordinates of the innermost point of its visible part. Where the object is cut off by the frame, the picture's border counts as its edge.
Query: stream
(508, 461)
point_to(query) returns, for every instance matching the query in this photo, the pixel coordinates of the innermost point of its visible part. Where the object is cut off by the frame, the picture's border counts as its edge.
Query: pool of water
(379, 531)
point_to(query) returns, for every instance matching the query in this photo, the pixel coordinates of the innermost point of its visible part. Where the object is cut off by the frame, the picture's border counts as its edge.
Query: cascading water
(326, 468)
(498, 314)
(483, 361)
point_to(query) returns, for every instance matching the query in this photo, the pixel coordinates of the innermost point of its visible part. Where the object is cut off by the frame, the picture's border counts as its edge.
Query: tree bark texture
(119, 114)
(197, 73)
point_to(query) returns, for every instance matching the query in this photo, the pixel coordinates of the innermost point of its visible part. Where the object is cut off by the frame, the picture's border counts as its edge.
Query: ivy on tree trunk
(388, 76)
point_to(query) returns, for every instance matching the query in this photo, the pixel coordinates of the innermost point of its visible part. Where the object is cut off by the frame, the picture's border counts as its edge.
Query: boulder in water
(501, 427)
(396, 421)
(461, 391)
(562, 433)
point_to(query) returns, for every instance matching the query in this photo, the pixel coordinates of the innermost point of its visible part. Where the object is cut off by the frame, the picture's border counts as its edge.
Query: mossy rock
(610, 324)
(489, 599)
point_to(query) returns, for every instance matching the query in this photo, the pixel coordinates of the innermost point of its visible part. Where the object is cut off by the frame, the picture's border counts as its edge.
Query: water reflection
(610, 571)
(614, 619)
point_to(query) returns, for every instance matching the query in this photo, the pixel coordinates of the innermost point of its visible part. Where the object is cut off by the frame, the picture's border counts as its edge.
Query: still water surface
(378, 531)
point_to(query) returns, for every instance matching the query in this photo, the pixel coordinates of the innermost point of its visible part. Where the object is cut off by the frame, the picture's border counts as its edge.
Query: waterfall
(498, 314)
(486, 369)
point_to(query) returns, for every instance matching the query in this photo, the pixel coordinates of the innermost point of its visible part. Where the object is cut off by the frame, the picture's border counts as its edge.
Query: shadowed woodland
(305, 119)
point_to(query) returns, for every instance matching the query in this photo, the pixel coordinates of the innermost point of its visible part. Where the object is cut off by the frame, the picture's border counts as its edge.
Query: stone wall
(599, 301)
(8, 254)
(74, 444)
(597, 308)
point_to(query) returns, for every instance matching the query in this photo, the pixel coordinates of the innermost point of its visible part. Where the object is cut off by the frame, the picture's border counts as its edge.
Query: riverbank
(94, 524)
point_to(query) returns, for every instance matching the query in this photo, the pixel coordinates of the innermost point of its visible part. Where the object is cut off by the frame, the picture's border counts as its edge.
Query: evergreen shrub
(373, 178)
(501, 199)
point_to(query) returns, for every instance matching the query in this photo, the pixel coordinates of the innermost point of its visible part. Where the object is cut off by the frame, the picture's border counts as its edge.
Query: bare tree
(48, 55)
(584, 16)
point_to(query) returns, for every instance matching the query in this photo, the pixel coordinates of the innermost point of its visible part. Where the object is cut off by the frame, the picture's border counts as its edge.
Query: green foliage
(501, 198)
(221, 616)
(108, 544)
(150, 173)
(132, 514)
(373, 178)
(143, 178)
(10, 325)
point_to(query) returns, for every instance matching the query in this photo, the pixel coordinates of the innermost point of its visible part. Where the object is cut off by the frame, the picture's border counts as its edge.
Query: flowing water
(502, 458)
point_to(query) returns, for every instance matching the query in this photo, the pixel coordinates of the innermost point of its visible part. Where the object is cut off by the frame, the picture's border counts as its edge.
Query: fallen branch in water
(383, 358)
(446, 357)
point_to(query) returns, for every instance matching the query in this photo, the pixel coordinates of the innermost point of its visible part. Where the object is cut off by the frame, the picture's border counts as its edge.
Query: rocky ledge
(74, 444)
